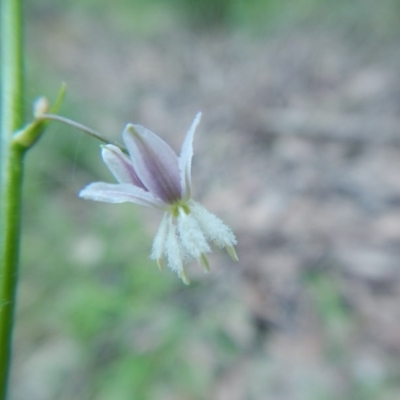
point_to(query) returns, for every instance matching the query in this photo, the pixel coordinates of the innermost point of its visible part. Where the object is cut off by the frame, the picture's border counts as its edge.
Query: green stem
(11, 159)
(11, 205)
(80, 127)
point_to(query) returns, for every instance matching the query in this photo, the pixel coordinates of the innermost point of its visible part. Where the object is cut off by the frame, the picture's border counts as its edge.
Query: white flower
(155, 176)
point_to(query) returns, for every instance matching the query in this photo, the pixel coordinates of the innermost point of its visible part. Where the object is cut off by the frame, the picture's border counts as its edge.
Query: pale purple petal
(120, 193)
(185, 159)
(120, 165)
(154, 162)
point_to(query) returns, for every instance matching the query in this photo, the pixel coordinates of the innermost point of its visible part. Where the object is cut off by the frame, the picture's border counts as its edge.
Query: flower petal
(120, 165)
(185, 159)
(120, 193)
(154, 161)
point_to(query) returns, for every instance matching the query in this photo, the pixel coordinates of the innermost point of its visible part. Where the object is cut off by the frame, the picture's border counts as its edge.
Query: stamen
(232, 252)
(183, 276)
(204, 262)
(160, 263)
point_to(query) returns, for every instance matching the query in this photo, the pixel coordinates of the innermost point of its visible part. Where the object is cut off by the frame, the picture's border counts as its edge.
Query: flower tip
(82, 193)
(40, 106)
(184, 277)
(160, 264)
(108, 150)
(130, 129)
(204, 262)
(232, 252)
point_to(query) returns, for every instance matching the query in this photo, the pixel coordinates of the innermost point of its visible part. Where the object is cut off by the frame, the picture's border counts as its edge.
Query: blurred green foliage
(252, 15)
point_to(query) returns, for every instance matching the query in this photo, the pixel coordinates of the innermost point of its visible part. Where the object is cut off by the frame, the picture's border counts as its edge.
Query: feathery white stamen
(193, 241)
(158, 249)
(213, 227)
(174, 251)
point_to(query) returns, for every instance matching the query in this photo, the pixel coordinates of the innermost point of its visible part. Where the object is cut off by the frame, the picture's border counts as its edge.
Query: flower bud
(40, 106)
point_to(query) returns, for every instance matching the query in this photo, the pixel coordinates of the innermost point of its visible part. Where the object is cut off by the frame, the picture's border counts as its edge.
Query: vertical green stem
(11, 204)
(11, 159)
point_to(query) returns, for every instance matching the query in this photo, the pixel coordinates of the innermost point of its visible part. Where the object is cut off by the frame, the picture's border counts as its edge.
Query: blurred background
(298, 151)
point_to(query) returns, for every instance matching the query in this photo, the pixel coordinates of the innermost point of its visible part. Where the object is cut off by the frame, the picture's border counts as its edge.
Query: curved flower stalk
(153, 175)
